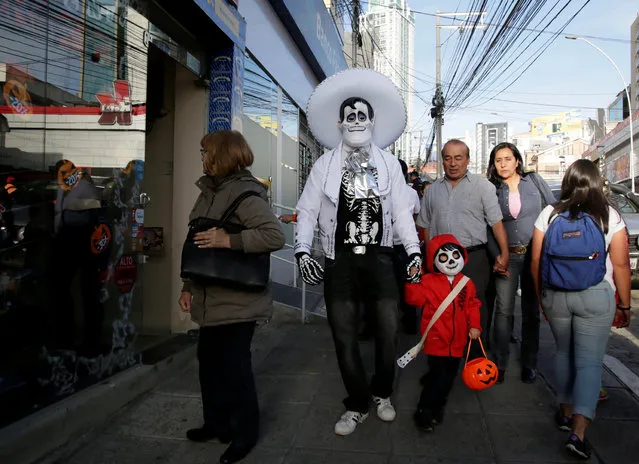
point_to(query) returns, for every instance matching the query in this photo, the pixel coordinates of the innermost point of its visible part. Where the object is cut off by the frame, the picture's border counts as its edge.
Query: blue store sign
(227, 18)
(311, 26)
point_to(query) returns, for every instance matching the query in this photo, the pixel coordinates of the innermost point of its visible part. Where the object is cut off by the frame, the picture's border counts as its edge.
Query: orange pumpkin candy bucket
(480, 373)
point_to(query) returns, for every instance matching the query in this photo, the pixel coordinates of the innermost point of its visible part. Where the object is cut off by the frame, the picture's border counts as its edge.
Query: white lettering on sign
(331, 55)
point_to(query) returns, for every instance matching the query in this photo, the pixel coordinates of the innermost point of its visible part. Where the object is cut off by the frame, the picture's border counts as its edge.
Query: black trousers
(438, 383)
(408, 312)
(229, 399)
(479, 270)
(347, 279)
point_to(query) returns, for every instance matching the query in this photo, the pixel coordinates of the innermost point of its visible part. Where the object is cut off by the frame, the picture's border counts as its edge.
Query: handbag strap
(468, 351)
(444, 304)
(542, 192)
(233, 206)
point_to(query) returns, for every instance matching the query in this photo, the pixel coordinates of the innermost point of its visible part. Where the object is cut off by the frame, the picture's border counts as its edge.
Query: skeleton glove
(312, 272)
(415, 263)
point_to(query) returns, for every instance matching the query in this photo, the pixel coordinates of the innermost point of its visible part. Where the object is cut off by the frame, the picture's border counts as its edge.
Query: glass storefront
(285, 151)
(73, 120)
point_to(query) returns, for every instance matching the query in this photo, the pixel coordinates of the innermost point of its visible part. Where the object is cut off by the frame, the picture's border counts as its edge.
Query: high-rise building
(634, 65)
(394, 26)
(486, 137)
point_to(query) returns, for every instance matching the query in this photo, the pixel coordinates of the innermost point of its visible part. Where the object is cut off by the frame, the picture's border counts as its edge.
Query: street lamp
(625, 87)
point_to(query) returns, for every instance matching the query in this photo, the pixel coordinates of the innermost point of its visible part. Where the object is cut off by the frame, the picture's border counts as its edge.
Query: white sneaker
(385, 410)
(348, 422)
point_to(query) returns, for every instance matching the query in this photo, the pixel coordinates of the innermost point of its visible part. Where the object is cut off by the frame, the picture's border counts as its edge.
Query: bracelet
(623, 308)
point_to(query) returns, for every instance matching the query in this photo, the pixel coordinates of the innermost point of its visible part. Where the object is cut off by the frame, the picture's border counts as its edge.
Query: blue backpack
(574, 253)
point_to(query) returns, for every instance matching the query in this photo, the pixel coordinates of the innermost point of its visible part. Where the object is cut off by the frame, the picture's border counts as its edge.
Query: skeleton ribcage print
(362, 216)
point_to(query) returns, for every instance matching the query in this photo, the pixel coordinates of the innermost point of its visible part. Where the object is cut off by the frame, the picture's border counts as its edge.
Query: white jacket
(320, 198)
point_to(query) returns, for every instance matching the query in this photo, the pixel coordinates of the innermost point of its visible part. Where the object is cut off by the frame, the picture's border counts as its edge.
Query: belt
(518, 250)
(475, 247)
(359, 250)
(363, 249)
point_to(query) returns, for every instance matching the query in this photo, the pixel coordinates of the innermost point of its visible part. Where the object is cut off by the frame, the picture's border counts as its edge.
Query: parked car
(627, 203)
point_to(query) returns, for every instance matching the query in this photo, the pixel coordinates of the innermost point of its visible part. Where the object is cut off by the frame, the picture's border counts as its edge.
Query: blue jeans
(506, 289)
(580, 322)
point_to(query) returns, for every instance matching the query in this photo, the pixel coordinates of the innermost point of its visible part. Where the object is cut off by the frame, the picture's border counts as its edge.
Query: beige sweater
(216, 305)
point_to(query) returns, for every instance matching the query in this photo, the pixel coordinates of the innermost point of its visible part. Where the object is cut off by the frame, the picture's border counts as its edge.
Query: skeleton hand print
(414, 269)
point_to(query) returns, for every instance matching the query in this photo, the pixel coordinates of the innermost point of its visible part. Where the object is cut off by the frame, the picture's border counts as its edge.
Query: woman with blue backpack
(579, 256)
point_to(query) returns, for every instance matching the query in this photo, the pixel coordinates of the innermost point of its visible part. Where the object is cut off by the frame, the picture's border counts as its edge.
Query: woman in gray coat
(227, 316)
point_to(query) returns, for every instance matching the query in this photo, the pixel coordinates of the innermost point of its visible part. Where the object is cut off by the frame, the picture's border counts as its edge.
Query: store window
(72, 148)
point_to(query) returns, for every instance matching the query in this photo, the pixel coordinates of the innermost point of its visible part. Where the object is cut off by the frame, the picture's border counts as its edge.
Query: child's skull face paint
(357, 126)
(449, 262)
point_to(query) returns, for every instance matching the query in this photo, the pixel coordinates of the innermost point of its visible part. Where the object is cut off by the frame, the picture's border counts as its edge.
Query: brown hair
(226, 151)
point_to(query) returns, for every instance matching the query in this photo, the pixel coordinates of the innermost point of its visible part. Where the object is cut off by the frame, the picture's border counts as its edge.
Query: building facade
(486, 137)
(634, 64)
(103, 107)
(619, 109)
(394, 23)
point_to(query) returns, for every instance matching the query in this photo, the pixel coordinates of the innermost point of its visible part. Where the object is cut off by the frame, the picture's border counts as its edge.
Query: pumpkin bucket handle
(482, 349)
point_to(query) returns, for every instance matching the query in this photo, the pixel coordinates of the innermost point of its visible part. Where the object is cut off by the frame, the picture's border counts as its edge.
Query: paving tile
(620, 405)
(123, 449)
(316, 432)
(516, 397)
(282, 360)
(288, 388)
(280, 422)
(316, 336)
(461, 436)
(615, 441)
(302, 456)
(186, 383)
(160, 416)
(207, 453)
(437, 460)
(534, 437)
(330, 391)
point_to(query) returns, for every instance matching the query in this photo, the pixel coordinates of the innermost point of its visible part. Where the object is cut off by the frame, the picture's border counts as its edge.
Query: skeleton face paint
(357, 126)
(449, 261)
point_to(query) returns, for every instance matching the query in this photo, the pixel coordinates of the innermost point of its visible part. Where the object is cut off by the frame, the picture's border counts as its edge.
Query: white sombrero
(322, 109)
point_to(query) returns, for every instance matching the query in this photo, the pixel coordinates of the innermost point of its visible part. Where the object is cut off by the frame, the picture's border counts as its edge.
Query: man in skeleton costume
(356, 192)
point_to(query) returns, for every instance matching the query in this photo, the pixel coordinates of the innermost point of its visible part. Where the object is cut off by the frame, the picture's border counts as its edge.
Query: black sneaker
(203, 434)
(563, 423)
(424, 420)
(577, 447)
(528, 375)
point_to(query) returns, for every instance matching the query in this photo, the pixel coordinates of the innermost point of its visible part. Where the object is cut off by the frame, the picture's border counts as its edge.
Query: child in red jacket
(448, 337)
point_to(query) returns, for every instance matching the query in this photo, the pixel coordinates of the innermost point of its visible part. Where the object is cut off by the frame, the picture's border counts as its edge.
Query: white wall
(191, 118)
(268, 40)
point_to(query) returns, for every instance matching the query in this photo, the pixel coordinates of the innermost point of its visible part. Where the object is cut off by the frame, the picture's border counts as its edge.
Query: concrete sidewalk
(300, 394)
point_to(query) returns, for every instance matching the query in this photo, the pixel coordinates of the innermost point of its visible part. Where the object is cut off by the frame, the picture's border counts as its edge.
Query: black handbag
(223, 266)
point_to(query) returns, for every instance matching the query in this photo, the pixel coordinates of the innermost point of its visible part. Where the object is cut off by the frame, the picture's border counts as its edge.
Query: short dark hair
(414, 173)
(455, 142)
(350, 103)
(491, 172)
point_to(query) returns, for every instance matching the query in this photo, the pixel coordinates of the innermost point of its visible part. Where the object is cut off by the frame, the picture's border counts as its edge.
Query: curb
(38, 435)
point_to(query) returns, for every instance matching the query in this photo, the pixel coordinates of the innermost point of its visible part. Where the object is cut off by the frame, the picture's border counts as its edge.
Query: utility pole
(437, 112)
(355, 27)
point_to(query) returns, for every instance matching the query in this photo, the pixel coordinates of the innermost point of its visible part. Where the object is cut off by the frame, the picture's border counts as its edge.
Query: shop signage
(117, 106)
(125, 273)
(17, 98)
(226, 18)
(313, 27)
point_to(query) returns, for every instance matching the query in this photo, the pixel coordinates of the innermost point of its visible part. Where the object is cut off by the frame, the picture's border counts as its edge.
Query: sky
(569, 72)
